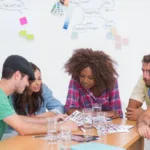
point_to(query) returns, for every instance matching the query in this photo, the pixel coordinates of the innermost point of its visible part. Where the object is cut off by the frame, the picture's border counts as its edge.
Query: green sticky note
(23, 33)
(74, 35)
(30, 37)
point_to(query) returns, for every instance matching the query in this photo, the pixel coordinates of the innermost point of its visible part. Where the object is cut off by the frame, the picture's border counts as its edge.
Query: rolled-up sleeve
(138, 93)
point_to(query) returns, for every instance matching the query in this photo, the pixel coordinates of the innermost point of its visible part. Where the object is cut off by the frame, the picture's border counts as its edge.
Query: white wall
(53, 45)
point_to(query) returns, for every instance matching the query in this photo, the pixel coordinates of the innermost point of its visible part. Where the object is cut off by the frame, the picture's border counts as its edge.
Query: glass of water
(96, 109)
(102, 124)
(52, 130)
(87, 120)
(65, 138)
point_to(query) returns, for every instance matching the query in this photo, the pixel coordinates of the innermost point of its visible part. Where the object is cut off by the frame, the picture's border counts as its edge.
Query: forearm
(71, 110)
(46, 114)
(22, 125)
(116, 108)
(112, 114)
(33, 128)
(144, 118)
(33, 119)
(118, 113)
(134, 103)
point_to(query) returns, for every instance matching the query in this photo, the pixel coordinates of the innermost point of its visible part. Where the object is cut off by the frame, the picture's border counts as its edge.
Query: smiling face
(146, 73)
(35, 86)
(86, 78)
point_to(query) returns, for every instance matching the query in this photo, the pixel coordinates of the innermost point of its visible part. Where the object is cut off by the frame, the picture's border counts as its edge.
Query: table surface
(124, 140)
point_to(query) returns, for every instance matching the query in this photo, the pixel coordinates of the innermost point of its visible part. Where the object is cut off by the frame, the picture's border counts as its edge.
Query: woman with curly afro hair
(94, 80)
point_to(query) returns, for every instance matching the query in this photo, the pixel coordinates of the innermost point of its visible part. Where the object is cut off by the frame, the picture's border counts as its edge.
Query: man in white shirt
(141, 92)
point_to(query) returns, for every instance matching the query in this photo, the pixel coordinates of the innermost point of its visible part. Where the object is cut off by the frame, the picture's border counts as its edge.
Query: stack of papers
(78, 117)
(112, 128)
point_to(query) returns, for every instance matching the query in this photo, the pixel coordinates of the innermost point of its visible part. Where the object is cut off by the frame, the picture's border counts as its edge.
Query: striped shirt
(79, 98)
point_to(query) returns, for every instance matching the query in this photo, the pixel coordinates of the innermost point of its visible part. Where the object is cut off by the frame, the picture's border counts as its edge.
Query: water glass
(52, 130)
(65, 138)
(96, 109)
(102, 124)
(103, 116)
(101, 129)
(87, 118)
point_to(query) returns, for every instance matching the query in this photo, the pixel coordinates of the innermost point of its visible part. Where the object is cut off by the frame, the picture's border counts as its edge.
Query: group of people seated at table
(25, 99)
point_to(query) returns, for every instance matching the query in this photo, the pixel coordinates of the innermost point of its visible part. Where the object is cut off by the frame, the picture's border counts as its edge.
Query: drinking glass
(102, 124)
(65, 138)
(87, 118)
(52, 130)
(96, 109)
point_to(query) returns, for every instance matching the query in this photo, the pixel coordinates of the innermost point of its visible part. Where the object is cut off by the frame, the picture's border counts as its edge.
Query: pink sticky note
(125, 41)
(118, 45)
(117, 38)
(23, 21)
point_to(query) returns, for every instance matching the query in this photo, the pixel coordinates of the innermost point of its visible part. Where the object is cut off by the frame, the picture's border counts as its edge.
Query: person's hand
(133, 113)
(60, 117)
(144, 130)
(112, 114)
(71, 124)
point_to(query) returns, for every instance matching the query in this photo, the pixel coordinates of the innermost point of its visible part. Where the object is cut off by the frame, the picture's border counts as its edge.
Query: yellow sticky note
(113, 31)
(23, 33)
(30, 37)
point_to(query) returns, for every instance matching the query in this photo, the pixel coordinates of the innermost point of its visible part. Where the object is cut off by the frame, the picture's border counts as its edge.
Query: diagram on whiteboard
(13, 5)
(17, 6)
(83, 16)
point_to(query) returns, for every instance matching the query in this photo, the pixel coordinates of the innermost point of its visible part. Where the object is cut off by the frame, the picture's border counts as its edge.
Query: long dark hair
(24, 103)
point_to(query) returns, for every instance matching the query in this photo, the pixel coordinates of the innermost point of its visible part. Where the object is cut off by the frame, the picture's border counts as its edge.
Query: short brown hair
(146, 59)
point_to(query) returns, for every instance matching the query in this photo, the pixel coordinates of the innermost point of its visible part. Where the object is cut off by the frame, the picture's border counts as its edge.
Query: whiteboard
(118, 27)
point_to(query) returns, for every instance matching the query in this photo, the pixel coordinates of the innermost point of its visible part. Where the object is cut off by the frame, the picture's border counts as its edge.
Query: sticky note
(117, 38)
(109, 36)
(125, 41)
(74, 35)
(113, 31)
(23, 33)
(118, 45)
(30, 37)
(23, 21)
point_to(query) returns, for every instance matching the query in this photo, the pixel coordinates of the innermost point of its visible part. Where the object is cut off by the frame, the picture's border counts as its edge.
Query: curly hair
(24, 103)
(102, 66)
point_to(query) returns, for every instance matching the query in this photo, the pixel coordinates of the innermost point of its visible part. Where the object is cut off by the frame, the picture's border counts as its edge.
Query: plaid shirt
(80, 98)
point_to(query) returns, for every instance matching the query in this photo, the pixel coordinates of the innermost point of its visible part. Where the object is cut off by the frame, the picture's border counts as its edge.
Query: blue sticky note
(94, 146)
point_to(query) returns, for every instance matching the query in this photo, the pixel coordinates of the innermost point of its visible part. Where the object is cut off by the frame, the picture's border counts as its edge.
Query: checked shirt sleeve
(115, 102)
(73, 95)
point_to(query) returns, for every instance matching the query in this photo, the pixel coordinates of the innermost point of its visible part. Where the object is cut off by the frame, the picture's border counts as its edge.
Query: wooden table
(130, 140)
